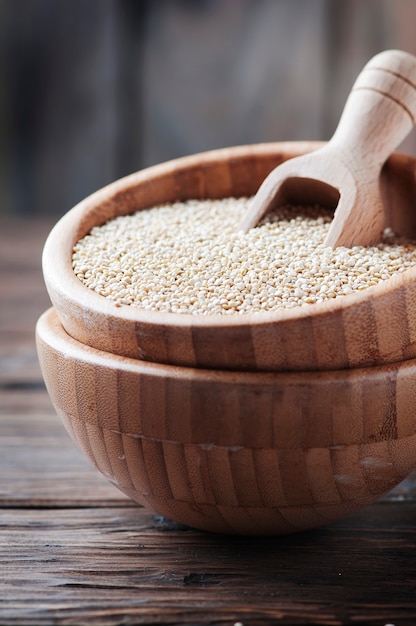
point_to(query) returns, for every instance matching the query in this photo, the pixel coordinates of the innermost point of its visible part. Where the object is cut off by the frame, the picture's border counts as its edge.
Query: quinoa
(186, 257)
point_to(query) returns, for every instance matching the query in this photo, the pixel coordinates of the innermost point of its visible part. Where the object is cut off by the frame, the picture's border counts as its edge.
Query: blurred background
(91, 90)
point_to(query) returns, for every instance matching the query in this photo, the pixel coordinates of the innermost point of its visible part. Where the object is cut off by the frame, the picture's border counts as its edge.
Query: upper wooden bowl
(235, 452)
(375, 326)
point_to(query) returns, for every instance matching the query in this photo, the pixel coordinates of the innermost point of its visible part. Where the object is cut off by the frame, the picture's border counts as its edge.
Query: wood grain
(124, 566)
(39, 465)
(374, 326)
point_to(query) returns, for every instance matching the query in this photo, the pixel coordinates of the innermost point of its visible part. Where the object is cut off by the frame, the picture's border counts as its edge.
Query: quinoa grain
(186, 257)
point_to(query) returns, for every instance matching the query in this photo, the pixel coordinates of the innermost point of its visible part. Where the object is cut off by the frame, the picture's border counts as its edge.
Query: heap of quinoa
(186, 257)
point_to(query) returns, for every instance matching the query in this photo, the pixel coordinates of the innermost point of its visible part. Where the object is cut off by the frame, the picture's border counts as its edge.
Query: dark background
(91, 90)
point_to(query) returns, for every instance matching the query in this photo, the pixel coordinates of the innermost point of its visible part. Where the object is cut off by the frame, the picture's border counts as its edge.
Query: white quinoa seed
(186, 257)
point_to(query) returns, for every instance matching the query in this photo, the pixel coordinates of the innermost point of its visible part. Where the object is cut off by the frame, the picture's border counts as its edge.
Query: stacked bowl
(259, 423)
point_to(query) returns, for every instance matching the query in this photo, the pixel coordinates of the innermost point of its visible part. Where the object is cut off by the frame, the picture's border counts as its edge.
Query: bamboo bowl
(235, 452)
(372, 327)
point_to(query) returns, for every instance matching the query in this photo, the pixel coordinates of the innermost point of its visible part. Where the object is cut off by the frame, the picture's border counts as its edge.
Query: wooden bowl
(235, 452)
(375, 326)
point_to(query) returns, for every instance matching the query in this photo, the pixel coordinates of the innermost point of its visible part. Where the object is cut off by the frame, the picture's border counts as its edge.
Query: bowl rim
(62, 281)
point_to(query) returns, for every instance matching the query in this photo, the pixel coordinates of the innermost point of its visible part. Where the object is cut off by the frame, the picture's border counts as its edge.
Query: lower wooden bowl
(235, 452)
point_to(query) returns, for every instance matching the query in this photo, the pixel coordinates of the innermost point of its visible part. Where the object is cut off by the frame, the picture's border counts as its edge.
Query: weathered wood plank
(22, 242)
(19, 365)
(23, 296)
(101, 566)
(39, 463)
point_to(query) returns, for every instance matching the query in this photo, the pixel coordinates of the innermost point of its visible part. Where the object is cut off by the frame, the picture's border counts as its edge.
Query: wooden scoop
(380, 111)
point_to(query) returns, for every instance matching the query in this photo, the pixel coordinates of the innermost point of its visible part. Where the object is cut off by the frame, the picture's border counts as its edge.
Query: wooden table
(73, 550)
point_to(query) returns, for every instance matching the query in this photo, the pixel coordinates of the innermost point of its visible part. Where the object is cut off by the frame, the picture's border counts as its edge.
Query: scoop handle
(379, 112)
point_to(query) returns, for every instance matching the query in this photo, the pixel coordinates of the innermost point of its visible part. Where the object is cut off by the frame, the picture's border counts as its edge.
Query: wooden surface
(75, 551)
